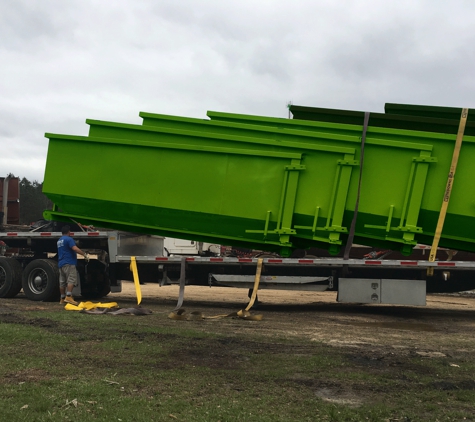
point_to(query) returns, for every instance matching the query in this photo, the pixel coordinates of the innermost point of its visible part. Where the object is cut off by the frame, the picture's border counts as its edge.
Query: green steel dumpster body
(459, 228)
(275, 185)
(326, 187)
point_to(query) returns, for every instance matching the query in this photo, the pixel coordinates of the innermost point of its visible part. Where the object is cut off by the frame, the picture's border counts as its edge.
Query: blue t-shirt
(66, 255)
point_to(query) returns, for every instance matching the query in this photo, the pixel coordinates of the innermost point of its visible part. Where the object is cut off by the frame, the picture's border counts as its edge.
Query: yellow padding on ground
(70, 307)
(90, 305)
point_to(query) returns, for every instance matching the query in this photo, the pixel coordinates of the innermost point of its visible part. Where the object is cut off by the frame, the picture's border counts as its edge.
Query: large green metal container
(393, 119)
(268, 185)
(172, 189)
(459, 228)
(397, 116)
(326, 194)
(426, 111)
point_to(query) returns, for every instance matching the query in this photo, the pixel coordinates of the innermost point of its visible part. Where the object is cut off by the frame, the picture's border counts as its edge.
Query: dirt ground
(446, 321)
(378, 339)
(444, 325)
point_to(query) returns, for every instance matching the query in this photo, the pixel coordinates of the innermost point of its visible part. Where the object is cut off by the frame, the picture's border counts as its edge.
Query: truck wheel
(95, 281)
(106, 289)
(41, 280)
(10, 277)
(96, 291)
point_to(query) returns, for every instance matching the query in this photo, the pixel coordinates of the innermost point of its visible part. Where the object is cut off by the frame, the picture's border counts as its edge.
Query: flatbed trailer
(29, 262)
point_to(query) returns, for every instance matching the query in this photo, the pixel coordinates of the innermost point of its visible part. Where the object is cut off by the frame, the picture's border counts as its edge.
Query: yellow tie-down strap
(182, 315)
(448, 189)
(135, 272)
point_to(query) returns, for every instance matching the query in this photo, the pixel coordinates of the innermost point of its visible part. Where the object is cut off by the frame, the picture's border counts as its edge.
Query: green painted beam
(449, 115)
(398, 116)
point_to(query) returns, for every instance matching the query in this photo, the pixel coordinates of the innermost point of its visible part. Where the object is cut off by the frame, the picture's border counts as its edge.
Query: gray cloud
(63, 62)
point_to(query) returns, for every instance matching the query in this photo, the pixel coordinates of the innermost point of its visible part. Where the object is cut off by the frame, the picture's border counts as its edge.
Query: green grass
(57, 365)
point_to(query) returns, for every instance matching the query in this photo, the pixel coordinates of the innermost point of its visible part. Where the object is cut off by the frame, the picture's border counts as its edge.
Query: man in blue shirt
(67, 261)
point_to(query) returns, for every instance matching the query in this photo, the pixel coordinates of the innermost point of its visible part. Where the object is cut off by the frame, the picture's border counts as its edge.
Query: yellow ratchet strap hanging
(448, 189)
(180, 314)
(257, 279)
(135, 272)
(246, 314)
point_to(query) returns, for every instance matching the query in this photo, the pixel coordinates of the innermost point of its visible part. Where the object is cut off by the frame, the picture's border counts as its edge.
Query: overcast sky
(62, 61)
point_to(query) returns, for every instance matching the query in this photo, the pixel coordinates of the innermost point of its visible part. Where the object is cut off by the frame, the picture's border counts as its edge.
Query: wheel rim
(37, 281)
(3, 277)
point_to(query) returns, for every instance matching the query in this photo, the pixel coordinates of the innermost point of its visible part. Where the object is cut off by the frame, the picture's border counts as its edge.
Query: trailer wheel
(106, 289)
(95, 291)
(41, 280)
(95, 281)
(10, 277)
(98, 293)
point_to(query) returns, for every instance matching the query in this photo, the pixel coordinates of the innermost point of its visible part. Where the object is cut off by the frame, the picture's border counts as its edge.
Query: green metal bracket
(390, 217)
(337, 205)
(412, 202)
(286, 208)
(423, 159)
(348, 162)
(295, 167)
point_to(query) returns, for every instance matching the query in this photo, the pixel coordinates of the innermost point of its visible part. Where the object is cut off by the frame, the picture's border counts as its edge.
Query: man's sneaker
(62, 301)
(70, 299)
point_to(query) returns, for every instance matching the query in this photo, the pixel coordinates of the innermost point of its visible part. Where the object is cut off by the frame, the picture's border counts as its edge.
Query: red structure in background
(9, 200)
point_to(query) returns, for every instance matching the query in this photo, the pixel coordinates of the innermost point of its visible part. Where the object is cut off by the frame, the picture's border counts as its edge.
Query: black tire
(106, 289)
(10, 277)
(95, 282)
(97, 293)
(98, 287)
(41, 280)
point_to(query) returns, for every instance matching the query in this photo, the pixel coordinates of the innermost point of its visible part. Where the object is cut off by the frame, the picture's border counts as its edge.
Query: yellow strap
(133, 268)
(181, 314)
(247, 315)
(257, 279)
(448, 189)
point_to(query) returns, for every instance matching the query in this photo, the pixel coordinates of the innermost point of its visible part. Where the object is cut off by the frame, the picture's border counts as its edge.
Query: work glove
(86, 257)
